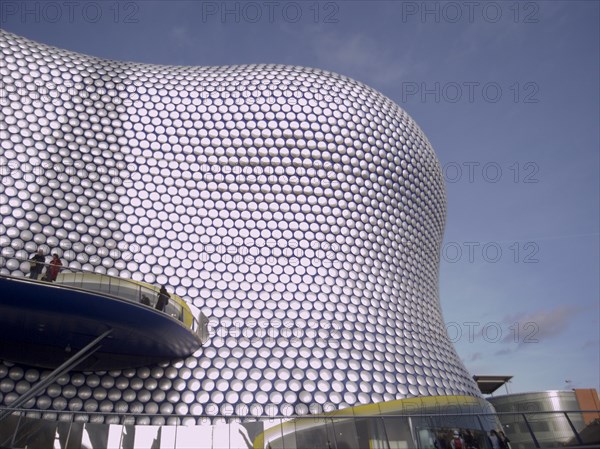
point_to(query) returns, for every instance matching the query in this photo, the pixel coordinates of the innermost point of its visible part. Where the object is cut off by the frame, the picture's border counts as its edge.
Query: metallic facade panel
(300, 210)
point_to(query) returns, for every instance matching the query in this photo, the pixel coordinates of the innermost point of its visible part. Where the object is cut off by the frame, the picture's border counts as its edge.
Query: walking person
(36, 264)
(163, 298)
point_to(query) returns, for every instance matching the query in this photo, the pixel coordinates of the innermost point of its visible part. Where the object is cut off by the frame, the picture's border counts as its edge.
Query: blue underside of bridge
(43, 324)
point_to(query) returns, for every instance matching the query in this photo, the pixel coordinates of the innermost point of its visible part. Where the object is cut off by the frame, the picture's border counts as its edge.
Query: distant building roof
(489, 384)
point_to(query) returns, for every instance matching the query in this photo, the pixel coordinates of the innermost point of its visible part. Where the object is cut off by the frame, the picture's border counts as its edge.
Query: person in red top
(54, 268)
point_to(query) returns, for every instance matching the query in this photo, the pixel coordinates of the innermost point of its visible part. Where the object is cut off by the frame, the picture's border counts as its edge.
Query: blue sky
(508, 94)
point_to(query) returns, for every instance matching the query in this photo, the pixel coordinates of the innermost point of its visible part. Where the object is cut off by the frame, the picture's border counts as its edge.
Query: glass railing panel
(312, 433)
(95, 435)
(587, 426)
(174, 310)
(167, 436)
(330, 432)
(286, 431)
(147, 296)
(343, 431)
(427, 439)
(274, 434)
(131, 436)
(116, 287)
(67, 436)
(517, 429)
(462, 420)
(34, 433)
(371, 433)
(475, 438)
(9, 427)
(398, 432)
(194, 437)
(446, 431)
(552, 429)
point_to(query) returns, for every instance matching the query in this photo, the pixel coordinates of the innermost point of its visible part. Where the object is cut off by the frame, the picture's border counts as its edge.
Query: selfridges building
(300, 210)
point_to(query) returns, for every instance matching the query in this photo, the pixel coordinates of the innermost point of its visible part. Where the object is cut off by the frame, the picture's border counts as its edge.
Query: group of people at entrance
(37, 264)
(468, 440)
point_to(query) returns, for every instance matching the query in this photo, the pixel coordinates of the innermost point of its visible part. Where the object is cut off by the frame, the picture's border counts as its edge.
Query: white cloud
(361, 56)
(475, 356)
(542, 324)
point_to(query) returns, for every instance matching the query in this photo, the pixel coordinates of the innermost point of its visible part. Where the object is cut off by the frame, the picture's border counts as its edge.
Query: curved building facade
(300, 210)
(554, 416)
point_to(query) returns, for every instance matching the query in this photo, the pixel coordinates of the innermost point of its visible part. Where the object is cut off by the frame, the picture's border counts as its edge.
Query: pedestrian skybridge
(90, 321)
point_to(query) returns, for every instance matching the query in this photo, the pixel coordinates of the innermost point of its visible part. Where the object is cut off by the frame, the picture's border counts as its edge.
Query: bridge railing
(107, 285)
(329, 431)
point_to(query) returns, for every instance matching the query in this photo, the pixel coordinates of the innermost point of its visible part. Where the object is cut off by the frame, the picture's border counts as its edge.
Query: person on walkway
(145, 300)
(53, 269)
(494, 440)
(504, 441)
(37, 263)
(457, 442)
(470, 440)
(163, 298)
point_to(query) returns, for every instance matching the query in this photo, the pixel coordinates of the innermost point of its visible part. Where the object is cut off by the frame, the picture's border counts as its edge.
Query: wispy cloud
(503, 352)
(542, 324)
(475, 356)
(361, 56)
(590, 344)
(179, 35)
(517, 331)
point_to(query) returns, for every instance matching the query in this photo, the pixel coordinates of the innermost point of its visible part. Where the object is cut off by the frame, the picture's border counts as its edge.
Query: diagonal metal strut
(68, 365)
